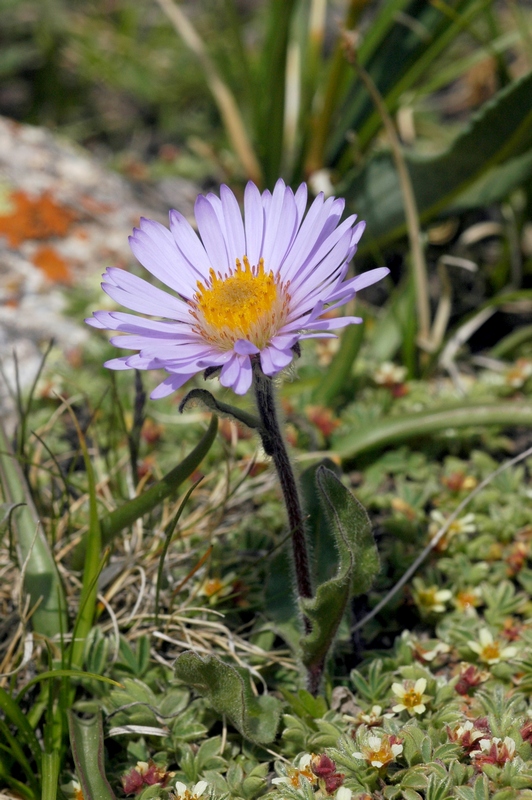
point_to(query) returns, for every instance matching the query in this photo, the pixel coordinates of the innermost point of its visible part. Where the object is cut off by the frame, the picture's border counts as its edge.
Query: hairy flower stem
(273, 443)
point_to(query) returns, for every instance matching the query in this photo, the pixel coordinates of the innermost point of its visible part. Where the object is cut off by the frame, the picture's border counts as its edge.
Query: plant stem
(273, 443)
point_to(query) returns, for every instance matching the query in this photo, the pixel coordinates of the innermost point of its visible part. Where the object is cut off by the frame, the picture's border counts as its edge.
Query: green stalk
(92, 565)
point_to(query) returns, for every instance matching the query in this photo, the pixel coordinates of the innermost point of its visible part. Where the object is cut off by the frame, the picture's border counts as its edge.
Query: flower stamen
(249, 304)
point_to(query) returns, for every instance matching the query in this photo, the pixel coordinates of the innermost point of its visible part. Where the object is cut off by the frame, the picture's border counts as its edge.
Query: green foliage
(41, 577)
(497, 133)
(86, 738)
(229, 691)
(358, 564)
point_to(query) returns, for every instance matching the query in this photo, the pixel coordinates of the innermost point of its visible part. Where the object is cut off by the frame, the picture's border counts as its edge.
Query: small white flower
(303, 769)
(489, 650)
(181, 791)
(343, 793)
(411, 697)
(389, 374)
(379, 750)
(430, 599)
(465, 524)
(373, 716)
(73, 790)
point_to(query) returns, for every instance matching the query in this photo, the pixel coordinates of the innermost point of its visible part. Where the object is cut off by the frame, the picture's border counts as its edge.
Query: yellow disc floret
(249, 303)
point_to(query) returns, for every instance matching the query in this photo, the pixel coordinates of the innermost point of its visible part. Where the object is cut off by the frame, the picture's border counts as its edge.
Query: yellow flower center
(411, 698)
(491, 652)
(249, 303)
(383, 755)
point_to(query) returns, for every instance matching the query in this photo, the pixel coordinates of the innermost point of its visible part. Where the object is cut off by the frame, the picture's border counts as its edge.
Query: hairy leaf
(228, 690)
(358, 564)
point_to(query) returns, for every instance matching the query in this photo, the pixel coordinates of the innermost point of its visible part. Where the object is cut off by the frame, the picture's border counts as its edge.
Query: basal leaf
(500, 131)
(228, 690)
(357, 565)
(391, 430)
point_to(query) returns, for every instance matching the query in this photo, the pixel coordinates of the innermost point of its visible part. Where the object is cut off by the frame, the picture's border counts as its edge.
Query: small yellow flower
(462, 525)
(489, 650)
(380, 750)
(519, 373)
(411, 697)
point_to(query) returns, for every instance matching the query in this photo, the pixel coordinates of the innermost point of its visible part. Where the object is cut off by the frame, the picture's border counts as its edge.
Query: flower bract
(243, 289)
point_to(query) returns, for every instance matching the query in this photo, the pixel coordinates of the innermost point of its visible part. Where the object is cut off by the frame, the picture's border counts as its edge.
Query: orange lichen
(34, 218)
(52, 264)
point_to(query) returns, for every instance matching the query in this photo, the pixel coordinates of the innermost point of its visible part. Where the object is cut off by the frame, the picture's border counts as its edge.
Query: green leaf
(41, 576)
(280, 604)
(358, 565)
(305, 705)
(501, 130)
(424, 423)
(330, 388)
(229, 692)
(25, 734)
(86, 738)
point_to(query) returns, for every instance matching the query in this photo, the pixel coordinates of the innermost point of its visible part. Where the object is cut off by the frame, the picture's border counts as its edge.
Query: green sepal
(228, 690)
(357, 567)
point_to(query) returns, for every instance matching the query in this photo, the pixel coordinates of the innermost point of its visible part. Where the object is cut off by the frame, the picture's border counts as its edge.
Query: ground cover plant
(210, 591)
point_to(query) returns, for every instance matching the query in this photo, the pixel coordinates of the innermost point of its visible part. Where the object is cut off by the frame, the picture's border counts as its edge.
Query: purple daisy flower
(246, 290)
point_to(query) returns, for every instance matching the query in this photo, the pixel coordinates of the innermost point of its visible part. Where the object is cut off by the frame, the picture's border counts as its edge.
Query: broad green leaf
(280, 601)
(41, 577)
(86, 738)
(358, 564)
(391, 430)
(228, 690)
(501, 130)
(496, 184)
